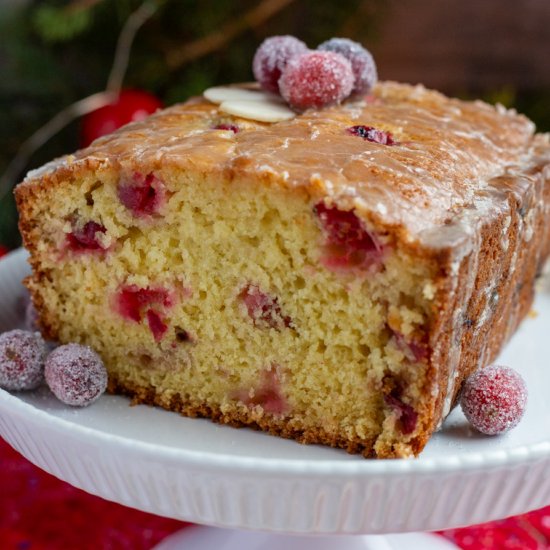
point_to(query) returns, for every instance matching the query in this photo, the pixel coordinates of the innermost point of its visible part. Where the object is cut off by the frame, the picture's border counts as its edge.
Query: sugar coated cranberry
(494, 399)
(227, 127)
(142, 194)
(316, 79)
(272, 57)
(347, 243)
(372, 134)
(22, 355)
(76, 374)
(85, 238)
(362, 62)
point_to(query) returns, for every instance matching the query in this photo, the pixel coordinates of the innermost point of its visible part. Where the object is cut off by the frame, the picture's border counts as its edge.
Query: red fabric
(39, 512)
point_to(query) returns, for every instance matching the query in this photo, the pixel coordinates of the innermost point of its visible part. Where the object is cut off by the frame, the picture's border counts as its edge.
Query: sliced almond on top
(220, 94)
(261, 111)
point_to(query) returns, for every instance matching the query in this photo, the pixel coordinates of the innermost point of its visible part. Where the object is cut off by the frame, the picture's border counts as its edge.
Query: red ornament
(3, 250)
(130, 106)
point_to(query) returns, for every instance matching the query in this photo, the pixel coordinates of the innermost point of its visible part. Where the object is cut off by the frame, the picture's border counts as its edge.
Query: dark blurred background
(54, 53)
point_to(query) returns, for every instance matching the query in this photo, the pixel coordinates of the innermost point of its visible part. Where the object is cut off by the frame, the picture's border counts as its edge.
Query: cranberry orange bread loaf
(331, 278)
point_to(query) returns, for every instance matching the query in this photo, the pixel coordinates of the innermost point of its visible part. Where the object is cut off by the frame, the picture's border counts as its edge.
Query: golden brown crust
(238, 417)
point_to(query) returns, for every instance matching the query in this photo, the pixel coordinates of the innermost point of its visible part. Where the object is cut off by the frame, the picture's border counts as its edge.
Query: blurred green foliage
(56, 52)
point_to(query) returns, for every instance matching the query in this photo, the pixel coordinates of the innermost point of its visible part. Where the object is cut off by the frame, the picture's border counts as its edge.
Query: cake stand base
(212, 538)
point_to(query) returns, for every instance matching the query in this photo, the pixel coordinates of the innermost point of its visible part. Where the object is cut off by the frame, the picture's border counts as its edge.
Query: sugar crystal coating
(272, 57)
(316, 79)
(76, 374)
(362, 62)
(494, 399)
(22, 355)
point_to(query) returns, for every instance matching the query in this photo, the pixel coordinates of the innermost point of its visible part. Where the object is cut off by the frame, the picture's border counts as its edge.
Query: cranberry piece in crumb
(316, 79)
(362, 62)
(132, 301)
(263, 309)
(156, 324)
(494, 399)
(407, 416)
(268, 394)
(22, 355)
(76, 375)
(82, 239)
(347, 243)
(372, 134)
(414, 350)
(272, 57)
(228, 127)
(142, 194)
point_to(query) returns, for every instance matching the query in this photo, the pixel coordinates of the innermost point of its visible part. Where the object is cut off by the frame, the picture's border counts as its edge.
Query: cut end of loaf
(250, 305)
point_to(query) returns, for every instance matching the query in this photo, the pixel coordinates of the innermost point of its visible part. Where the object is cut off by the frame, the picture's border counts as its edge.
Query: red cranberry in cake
(407, 416)
(267, 394)
(134, 303)
(85, 238)
(263, 309)
(372, 134)
(414, 350)
(347, 243)
(228, 127)
(132, 300)
(494, 399)
(142, 194)
(272, 57)
(156, 324)
(316, 79)
(362, 62)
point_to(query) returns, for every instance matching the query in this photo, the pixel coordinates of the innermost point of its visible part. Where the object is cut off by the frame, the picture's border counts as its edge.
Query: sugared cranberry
(76, 375)
(156, 324)
(347, 243)
(316, 79)
(22, 356)
(372, 134)
(263, 309)
(362, 62)
(272, 57)
(408, 417)
(142, 194)
(494, 399)
(227, 127)
(85, 238)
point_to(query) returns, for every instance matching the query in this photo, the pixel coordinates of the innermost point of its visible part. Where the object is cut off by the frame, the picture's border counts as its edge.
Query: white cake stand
(267, 493)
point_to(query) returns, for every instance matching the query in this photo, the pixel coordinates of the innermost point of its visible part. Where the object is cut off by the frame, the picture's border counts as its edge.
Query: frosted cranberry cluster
(74, 373)
(308, 78)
